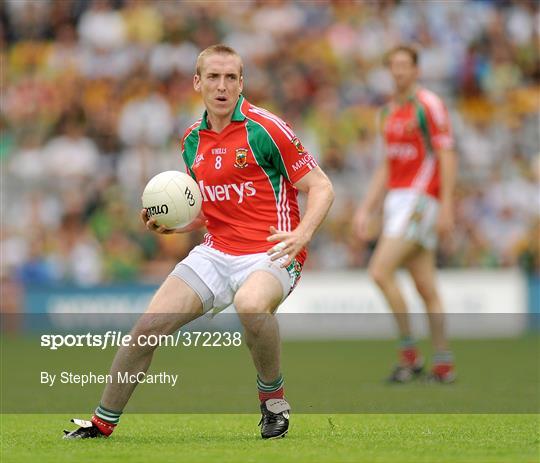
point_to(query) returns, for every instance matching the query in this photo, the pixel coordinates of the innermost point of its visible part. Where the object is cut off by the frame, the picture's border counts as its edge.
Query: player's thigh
(390, 253)
(422, 269)
(261, 293)
(174, 304)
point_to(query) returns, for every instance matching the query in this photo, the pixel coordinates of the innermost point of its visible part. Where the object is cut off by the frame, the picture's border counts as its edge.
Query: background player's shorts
(411, 215)
(216, 276)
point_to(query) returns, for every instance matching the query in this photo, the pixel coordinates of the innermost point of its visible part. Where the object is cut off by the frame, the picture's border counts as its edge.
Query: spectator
(94, 90)
(146, 118)
(71, 155)
(102, 27)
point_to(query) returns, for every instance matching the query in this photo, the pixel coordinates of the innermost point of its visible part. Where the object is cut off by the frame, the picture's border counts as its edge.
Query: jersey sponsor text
(227, 192)
(306, 160)
(402, 151)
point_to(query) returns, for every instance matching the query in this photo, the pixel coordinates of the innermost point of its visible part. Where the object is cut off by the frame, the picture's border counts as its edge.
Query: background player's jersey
(412, 131)
(245, 174)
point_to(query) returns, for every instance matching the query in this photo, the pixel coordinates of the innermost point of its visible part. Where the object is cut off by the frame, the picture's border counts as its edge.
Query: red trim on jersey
(284, 139)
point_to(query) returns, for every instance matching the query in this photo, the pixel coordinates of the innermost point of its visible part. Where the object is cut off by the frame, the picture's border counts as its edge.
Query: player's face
(403, 70)
(220, 83)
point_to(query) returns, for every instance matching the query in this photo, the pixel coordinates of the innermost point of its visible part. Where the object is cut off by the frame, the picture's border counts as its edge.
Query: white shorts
(216, 276)
(411, 215)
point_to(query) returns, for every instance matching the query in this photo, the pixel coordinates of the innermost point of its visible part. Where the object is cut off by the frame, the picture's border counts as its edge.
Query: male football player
(249, 166)
(416, 180)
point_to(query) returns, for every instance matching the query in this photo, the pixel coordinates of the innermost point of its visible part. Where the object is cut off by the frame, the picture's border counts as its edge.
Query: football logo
(241, 158)
(298, 145)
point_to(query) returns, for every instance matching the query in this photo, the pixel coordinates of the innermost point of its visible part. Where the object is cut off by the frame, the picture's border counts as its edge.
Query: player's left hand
(288, 244)
(152, 225)
(445, 222)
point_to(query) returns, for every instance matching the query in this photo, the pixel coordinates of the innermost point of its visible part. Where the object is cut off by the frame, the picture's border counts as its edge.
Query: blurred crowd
(96, 95)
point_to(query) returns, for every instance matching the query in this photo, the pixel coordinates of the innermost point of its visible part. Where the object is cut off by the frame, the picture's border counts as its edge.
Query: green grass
(494, 376)
(312, 438)
(415, 423)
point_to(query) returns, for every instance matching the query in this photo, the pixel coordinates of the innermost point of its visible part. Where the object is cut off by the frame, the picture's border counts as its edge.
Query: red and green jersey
(246, 175)
(412, 131)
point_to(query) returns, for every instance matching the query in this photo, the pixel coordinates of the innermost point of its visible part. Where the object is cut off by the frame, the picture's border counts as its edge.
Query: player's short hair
(217, 49)
(411, 50)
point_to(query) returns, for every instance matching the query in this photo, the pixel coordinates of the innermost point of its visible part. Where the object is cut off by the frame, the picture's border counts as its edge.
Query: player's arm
(320, 195)
(151, 224)
(448, 171)
(375, 194)
(440, 132)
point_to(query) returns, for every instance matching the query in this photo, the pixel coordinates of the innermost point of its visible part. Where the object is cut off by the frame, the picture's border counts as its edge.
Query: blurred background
(96, 95)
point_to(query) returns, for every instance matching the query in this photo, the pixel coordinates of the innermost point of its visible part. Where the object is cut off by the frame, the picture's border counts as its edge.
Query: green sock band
(110, 416)
(444, 356)
(270, 387)
(407, 342)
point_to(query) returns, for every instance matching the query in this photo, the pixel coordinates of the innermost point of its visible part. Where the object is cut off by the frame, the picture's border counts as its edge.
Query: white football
(173, 198)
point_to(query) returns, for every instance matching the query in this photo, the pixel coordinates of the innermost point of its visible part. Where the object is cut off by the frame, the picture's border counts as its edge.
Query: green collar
(411, 98)
(237, 115)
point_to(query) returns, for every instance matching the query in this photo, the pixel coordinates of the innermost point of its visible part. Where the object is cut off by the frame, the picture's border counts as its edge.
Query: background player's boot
(442, 373)
(86, 430)
(275, 418)
(411, 366)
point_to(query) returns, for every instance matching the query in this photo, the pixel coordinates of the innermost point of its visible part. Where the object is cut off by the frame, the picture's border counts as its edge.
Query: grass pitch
(312, 438)
(348, 377)
(495, 376)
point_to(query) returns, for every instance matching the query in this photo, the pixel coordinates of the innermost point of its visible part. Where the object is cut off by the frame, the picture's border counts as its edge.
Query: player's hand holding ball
(171, 203)
(152, 224)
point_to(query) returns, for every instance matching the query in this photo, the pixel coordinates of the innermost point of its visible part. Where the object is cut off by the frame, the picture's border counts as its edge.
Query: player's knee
(426, 289)
(378, 274)
(251, 312)
(246, 303)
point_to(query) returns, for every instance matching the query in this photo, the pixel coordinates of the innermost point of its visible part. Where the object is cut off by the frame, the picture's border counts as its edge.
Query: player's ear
(197, 82)
(241, 83)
